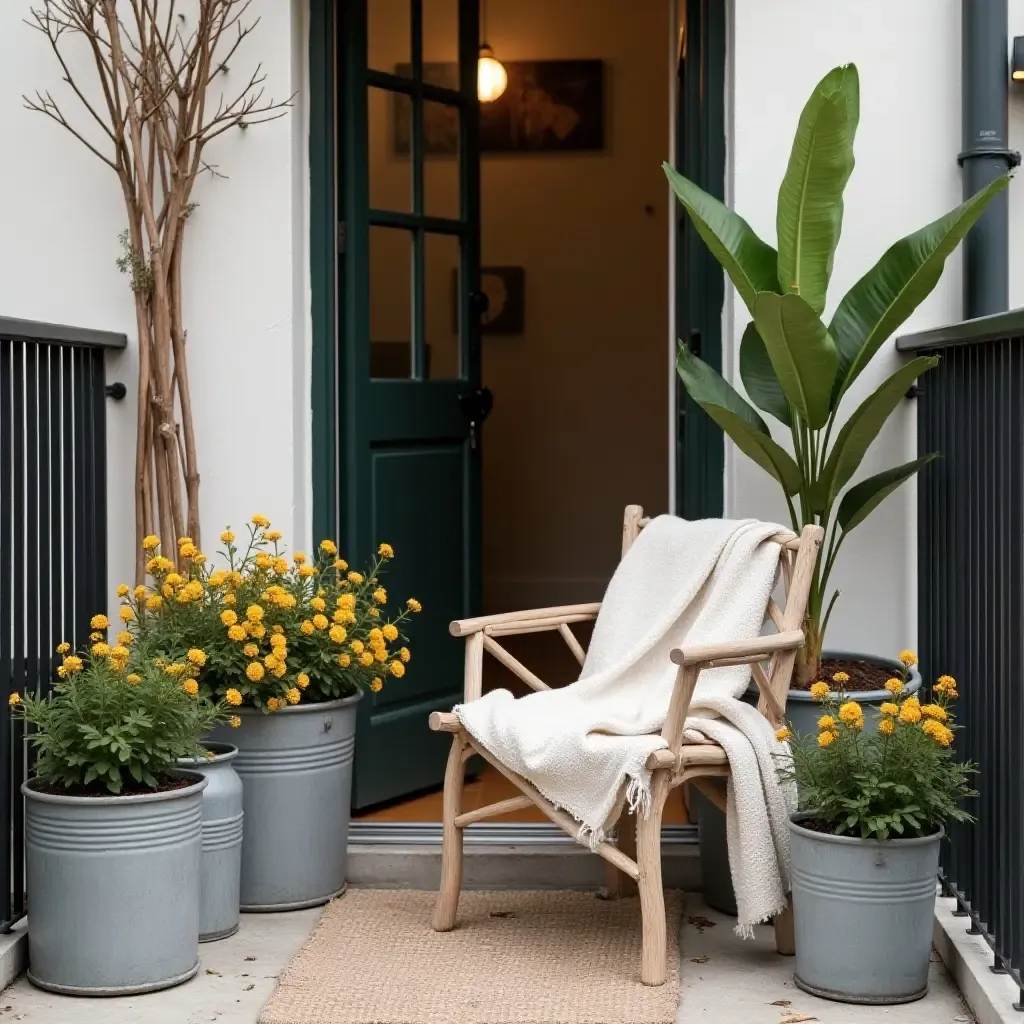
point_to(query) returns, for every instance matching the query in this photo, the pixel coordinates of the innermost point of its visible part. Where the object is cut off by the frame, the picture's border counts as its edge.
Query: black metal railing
(971, 604)
(53, 534)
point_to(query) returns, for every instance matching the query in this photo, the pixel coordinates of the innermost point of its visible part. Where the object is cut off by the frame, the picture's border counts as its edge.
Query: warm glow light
(1018, 76)
(491, 76)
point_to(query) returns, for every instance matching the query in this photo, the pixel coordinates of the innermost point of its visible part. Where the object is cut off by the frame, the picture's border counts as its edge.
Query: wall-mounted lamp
(1017, 67)
(491, 76)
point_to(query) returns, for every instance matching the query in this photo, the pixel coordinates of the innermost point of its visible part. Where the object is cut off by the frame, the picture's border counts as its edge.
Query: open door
(411, 406)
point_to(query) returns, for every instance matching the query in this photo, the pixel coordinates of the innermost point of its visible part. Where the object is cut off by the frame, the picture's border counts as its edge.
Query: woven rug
(513, 958)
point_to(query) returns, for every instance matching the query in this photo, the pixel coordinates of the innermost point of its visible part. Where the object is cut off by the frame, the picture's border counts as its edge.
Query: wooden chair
(636, 860)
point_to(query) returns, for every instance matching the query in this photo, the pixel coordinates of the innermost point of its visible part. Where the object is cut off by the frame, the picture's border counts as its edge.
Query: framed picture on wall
(549, 106)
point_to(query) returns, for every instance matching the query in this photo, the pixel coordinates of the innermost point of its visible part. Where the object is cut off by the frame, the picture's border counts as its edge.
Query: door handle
(476, 406)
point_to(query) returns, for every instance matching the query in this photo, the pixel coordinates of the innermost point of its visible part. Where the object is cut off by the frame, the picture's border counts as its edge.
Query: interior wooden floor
(547, 655)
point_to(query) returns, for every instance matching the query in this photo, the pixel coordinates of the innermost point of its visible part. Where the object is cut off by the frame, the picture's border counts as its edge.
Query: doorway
(576, 249)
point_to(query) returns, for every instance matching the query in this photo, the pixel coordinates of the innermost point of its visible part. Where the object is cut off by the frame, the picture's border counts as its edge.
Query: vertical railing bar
(99, 412)
(57, 618)
(67, 499)
(8, 651)
(81, 559)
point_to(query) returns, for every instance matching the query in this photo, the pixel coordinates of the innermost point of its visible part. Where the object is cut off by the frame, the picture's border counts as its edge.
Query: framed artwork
(505, 288)
(549, 106)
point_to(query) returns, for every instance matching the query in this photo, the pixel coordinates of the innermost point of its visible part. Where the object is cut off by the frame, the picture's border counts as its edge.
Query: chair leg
(653, 967)
(617, 884)
(785, 940)
(451, 846)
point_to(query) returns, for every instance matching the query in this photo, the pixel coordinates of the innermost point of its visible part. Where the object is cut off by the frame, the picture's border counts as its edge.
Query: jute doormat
(513, 958)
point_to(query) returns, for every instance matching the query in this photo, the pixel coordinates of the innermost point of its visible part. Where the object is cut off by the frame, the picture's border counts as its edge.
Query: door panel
(410, 334)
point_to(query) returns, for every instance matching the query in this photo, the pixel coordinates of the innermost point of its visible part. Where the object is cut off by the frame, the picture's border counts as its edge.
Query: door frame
(326, 269)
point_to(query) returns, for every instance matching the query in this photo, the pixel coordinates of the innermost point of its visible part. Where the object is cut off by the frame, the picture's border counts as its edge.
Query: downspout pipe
(986, 156)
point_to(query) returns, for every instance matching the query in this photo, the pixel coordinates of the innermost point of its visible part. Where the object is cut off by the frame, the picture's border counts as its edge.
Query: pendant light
(491, 76)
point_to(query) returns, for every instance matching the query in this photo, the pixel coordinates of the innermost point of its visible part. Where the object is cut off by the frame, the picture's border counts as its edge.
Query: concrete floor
(725, 981)
(236, 976)
(749, 983)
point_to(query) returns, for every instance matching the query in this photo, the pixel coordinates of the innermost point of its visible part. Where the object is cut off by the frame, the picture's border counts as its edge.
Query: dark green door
(410, 405)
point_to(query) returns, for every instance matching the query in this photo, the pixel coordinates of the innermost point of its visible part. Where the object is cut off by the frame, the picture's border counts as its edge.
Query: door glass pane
(390, 151)
(441, 159)
(389, 36)
(391, 263)
(441, 301)
(441, 33)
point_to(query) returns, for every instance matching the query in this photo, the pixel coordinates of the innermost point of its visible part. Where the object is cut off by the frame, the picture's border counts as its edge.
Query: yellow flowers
(826, 739)
(72, 663)
(390, 632)
(124, 638)
(380, 595)
(158, 565)
(366, 659)
(307, 628)
(237, 633)
(886, 726)
(191, 687)
(934, 711)
(851, 714)
(260, 521)
(397, 669)
(250, 650)
(229, 617)
(338, 634)
(318, 604)
(386, 551)
(233, 697)
(187, 550)
(328, 547)
(122, 590)
(894, 686)
(819, 691)
(14, 700)
(99, 622)
(305, 571)
(840, 678)
(910, 712)
(357, 646)
(346, 602)
(234, 721)
(302, 680)
(274, 704)
(413, 605)
(150, 543)
(154, 602)
(227, 537)
(405, 654)
(63, 647)
(293, 696)
(946, 685)
(273, 535)
(299, 558)
(826, 722)
(340, 564)
(942, 734)
(888, 708)
(908, 658)
(355, 577)
(783, 734)
(254, 671)
(344, 660)
(376, 684)
(100, 650)
(196, 656)
(254, 613)
(321, 621)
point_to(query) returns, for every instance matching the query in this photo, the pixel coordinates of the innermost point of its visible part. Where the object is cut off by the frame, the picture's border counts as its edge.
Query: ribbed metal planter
(863, 914)
(802, 712)
(296, 771)
(113, 889)
(220, 879)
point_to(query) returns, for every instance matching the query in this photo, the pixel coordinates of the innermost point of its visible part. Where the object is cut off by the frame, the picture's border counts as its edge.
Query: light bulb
(491, 76)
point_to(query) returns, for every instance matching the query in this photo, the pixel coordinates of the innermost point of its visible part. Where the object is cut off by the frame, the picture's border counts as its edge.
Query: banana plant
(796, 368)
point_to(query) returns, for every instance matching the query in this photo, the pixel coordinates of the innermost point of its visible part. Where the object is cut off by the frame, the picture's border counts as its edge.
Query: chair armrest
(737, 652)
(526, 621)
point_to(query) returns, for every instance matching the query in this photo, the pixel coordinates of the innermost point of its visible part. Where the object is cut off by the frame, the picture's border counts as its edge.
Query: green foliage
(103, 728)
(792, 366)
(902, 781)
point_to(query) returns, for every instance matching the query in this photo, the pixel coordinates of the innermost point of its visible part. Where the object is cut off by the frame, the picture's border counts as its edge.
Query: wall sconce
(1017, 66)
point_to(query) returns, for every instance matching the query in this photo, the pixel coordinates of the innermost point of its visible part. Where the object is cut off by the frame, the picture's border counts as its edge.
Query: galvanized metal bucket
(863, 914)
(220, 878)
(113, 889)
(296, 771)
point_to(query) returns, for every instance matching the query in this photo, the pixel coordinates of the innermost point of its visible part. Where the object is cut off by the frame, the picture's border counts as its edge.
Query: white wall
(246, 304)
(908, 56)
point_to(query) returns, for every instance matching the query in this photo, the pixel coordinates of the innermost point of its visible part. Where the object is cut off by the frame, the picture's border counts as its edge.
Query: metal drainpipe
(985, 155)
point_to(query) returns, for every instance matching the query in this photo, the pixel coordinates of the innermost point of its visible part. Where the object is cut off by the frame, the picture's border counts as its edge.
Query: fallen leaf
(795, 1018)
(700, 959)
(248, 958)
(503, 913)
(700, 923)
(782, 1002)
(249, 988)
(210, 970)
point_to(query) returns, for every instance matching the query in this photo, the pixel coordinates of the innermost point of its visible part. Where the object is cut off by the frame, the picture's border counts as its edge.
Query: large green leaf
(802, 354)
(862, 499)
(810, 209)
(862, 428)
(897, 284)
(749, 262)
(738, 419)
(758, 376)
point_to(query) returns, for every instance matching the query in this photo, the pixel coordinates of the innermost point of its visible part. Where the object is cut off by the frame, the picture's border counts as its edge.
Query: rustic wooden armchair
(636, 860)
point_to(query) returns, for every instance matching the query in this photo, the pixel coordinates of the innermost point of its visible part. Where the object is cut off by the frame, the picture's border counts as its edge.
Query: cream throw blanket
(585, 746)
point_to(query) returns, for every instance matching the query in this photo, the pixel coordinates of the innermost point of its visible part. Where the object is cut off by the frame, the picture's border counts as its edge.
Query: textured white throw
(585, 746)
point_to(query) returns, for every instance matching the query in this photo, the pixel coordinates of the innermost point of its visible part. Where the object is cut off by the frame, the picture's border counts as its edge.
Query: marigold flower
(229, 616)
(318, 604)
(124, 638)
(938, 732)
(376, 684)
(840, 677)
(380, 653)
(397, 669)
(783, 734)
(305, 571)
(355, 577)
(273, 704)
(191, 687)
(935, 711)
(250, 650)
(261, 521)
(826, 739)
(375, 637)
(374, 613)
(95, 636)
(229, 599)
(328, 547)
(357, 646)
(320, 621)
(826, 722)
(184, 540)
(302, 680)
(888, 708)
(196, 656)
(389, 631)
(254, 613)
(227, 537)
(366, 659)
(405, 654)
(271, 660)
(338, 634)
(279, 565)
(13, 700)
(293, 696)
(273, 535)
(894, 685)
(257, 630)
(99, 622)
(63, 647)
(413, 605)
(344, 660)
(299, 558)
(187, 550)
(254, 671)
(886, 726)
(233, 697)
(72, 663)
(944, 683)
(154, 602)
(126, 613)
(234, 721)
(263, 560)
(910, 714)
(340, 564)
(122, 590)
(346, 602)
(237, 633)
(133, 679)
(175, 669)
(386, 551)
(150, 542)
(908, 658)
(380, 595)
(277, 638)
(100, 650)
(851, 714)
(158, 564)
(819, 691)
(119, 653)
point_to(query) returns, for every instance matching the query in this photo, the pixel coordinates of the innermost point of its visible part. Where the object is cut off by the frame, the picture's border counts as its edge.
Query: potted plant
(799, 370)
(112, 824)
(289, 644)
(865, 844)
